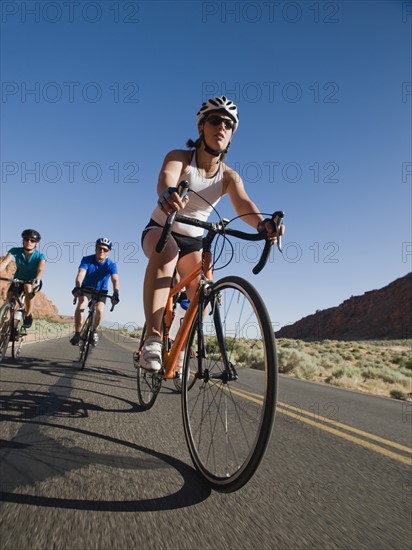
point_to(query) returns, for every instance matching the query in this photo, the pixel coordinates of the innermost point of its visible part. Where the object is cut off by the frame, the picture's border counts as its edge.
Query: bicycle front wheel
(148, 383)
(5, 328)
(84, 344)
(17, 340)
(228, 415)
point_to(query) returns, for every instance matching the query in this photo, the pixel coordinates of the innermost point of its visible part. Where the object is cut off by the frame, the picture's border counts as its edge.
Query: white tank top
(210, 189)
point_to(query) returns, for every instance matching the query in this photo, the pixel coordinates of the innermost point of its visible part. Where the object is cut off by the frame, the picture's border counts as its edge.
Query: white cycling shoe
(151, 354)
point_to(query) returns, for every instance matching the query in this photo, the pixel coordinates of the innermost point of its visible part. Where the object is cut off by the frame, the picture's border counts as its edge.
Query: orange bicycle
(229, 378)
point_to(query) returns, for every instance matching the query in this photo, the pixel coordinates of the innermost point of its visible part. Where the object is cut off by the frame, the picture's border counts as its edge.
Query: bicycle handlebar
(221, 229)
(94, 296)
(21, 281)
(183, 189)
(14, 280)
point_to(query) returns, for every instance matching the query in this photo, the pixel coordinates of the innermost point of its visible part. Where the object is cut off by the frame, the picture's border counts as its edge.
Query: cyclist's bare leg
(158, 277)
(184, 266)
(78, 313)
(28, 305)
(99, 315)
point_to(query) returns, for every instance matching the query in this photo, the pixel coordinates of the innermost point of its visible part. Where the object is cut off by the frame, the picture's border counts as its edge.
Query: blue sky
(94, 94)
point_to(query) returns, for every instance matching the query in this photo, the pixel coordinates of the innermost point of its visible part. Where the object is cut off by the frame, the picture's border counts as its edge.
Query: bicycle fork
(228, 373)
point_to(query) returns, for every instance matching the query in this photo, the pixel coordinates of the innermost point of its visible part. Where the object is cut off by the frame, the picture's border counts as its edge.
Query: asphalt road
(82, 467)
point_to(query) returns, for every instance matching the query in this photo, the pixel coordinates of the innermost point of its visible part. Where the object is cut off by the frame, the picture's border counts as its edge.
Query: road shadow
(32, 457)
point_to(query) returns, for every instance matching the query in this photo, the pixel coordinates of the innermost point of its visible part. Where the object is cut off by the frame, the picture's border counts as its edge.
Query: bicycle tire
(227, 423)
(5, 328)
(17, 341)
(148, 383)
(84, 343)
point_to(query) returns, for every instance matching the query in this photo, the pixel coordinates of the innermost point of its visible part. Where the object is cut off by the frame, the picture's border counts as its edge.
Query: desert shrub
(346, 371)
(288, 360)
(393, 377)
(406, 371)
(330, 360)
(250, 358)
(396, 393)
(371, 373)
(308, 370)
(291, 360)
(403, 360)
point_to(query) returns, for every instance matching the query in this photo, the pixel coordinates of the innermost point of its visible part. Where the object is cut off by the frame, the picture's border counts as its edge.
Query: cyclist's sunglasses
(216, 120)
(30, 240)
(102, 249)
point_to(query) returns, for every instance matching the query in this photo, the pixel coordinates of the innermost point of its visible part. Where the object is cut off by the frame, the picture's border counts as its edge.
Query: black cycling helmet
(31, 234)
(104, 241)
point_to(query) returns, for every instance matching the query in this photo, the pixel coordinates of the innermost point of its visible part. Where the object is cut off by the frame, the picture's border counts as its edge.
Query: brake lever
(277, 220)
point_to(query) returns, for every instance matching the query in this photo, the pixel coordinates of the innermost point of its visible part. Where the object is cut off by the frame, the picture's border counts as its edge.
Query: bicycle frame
(204, 270)
(236, 361)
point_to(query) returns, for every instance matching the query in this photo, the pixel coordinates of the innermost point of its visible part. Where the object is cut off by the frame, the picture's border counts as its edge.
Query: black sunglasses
(216, 120)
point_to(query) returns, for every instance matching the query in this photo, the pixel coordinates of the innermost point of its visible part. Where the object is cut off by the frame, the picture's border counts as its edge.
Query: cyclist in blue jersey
(94, 274)
(30, 266)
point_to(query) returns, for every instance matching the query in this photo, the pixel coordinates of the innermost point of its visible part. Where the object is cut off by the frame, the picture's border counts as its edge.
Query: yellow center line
(289, 410)
(295, 412)
(351, 429)
(361, 442)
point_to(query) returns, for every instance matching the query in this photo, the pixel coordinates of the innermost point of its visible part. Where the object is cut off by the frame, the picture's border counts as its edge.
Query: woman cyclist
(204, 168)
(30, 265)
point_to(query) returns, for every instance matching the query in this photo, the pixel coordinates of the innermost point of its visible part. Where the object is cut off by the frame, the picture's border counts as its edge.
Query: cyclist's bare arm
(170, 175)
(243, 204)
(115, 282)
(240, 200)
(79, 277)
(40, 269)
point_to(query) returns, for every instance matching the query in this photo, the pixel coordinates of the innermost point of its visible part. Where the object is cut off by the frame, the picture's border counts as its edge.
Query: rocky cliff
(42, 307)
(377, 314)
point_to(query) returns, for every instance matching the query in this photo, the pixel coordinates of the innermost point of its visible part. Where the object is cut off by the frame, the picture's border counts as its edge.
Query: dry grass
(380, 367)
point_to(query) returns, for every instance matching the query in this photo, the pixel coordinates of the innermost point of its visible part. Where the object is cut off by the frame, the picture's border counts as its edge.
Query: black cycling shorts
(186, 244)
(87, 291)
(16, 288)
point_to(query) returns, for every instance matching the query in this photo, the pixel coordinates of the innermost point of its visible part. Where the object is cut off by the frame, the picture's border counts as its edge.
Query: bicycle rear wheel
(84, 343)
(228, 415)
(5, 328)
(148, 383)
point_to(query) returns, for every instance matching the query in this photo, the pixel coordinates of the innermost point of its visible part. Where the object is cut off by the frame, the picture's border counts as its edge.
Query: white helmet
(222, 104)
(105, 241)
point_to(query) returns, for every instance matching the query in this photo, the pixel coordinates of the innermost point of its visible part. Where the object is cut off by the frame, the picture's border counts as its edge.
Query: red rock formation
(377, 314)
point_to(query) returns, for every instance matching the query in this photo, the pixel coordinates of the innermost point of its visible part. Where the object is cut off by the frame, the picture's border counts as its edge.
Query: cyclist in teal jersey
(30, 266)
